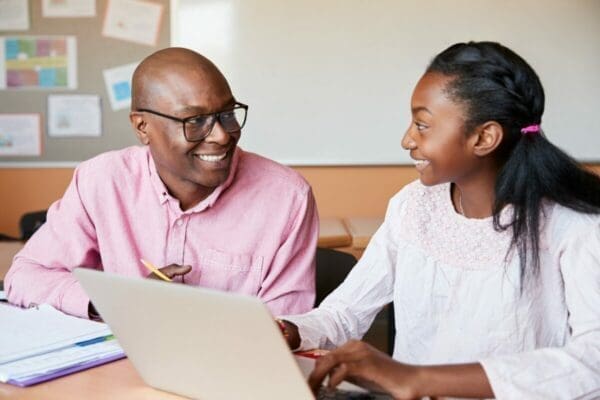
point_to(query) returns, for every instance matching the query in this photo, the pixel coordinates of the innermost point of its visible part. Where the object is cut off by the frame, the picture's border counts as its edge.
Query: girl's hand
(366, 366)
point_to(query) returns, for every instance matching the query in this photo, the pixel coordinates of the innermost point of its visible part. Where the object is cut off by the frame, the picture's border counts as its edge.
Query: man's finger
(174, 270)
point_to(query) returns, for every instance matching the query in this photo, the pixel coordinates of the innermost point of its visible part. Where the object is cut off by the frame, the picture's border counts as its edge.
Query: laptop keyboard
(338, 394)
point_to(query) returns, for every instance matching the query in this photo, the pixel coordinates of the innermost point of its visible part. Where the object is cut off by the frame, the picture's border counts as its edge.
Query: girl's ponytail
(496, 84)
(536, 170)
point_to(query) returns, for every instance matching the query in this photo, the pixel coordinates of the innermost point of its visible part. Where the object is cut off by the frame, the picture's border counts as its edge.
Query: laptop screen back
(197, 342)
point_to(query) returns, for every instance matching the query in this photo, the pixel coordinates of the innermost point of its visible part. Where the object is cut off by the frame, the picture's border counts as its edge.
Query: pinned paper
(14, 15)
(20, 135)
(74, 115)
(118, 85)
(68, 8)
(38, 62)
(134, 21)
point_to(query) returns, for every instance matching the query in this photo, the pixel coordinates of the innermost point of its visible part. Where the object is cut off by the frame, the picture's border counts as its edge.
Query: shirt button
(179, 222)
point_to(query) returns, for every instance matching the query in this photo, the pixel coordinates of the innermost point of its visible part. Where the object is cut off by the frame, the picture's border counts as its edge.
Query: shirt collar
(163, 194)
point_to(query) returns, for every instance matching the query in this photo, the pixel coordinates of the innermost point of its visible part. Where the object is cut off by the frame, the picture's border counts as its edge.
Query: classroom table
(116, 380)
(7, 252)
(361, 230)
(333, 233)
(351, 235)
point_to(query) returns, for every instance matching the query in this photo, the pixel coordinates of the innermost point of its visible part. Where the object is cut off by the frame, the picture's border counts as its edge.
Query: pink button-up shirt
(255, 234)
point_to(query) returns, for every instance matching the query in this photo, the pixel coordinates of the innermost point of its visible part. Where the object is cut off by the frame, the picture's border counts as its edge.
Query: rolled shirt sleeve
(289, 286)
(41, 271)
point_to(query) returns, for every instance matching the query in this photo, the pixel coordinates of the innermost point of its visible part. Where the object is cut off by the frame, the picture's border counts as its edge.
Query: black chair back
(332, 268)
(28, 224)
(31, 222)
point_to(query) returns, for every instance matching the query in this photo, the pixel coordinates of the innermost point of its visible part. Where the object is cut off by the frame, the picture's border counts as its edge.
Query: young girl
(492, 260)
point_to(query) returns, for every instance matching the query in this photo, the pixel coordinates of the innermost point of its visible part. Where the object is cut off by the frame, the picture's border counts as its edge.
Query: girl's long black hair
(496, 84)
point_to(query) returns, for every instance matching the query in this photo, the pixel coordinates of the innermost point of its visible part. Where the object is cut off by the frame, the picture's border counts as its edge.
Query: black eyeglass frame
(215, 116)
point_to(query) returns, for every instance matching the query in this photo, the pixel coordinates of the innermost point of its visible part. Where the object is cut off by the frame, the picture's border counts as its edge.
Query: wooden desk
(362, 229)
(117, 380)
(333, 233)
(7, 252)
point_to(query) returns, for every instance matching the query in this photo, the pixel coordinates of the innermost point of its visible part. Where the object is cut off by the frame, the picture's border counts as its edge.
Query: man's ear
(487, 138)
(139, 126)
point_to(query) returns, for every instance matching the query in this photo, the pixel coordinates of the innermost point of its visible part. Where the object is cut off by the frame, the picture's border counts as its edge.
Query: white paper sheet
(14, 15)
(68, 8)
(27, 332)
(118, 85)
(132, 20)
(74, 115)
(20, 135)
(57, 360)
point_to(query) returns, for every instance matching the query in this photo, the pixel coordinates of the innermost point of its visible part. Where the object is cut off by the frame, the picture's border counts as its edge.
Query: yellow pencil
(155, 270)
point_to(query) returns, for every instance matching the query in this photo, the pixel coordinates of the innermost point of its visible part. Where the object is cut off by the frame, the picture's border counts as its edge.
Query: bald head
(167, 69)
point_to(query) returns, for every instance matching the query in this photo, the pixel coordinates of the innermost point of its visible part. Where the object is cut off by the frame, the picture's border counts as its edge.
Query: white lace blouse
(458, 297)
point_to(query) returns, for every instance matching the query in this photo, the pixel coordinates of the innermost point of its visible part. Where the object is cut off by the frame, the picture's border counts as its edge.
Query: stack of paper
(41, 343)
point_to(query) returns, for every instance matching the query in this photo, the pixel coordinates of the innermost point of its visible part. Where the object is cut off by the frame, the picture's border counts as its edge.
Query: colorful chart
(34, 62)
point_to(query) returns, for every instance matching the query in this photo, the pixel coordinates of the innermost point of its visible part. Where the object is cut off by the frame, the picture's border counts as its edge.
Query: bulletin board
(95, 53)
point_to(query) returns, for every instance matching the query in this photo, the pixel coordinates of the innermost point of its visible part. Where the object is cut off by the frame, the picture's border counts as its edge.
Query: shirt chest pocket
(240, 273)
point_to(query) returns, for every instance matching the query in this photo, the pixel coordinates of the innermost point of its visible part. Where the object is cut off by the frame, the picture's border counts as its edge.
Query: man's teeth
(211, 157)
(421, 162)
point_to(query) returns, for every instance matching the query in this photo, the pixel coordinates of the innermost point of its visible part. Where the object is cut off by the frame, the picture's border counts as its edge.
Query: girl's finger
(322, 367)
(337, 375)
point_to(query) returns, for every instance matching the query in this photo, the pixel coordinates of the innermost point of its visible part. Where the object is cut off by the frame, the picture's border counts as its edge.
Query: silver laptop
(200, 343)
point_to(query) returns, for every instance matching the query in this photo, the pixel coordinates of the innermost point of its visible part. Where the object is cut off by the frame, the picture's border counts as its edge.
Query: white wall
(329, 81)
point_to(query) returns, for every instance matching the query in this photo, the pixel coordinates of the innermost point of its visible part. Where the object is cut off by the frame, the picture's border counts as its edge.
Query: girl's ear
(488, 137)
(139, 126)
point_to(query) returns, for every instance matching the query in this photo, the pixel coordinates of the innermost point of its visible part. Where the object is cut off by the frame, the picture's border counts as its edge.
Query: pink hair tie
(531, 129)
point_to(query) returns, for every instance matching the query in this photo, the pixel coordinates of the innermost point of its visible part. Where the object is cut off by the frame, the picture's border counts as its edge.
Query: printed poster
(38, 62)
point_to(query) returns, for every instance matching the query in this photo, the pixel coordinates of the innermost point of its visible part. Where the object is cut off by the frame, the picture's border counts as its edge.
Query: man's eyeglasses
(198, 127)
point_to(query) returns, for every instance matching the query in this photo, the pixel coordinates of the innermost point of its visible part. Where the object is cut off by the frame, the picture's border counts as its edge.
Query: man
(190, 200)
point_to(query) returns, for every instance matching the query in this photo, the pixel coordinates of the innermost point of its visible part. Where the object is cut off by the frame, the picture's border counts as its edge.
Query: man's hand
(290, 333)
(366, 366)
(93, 313)
(172, 271)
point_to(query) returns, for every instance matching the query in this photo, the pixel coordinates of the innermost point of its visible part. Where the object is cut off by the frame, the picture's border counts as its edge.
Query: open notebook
(41, 343)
